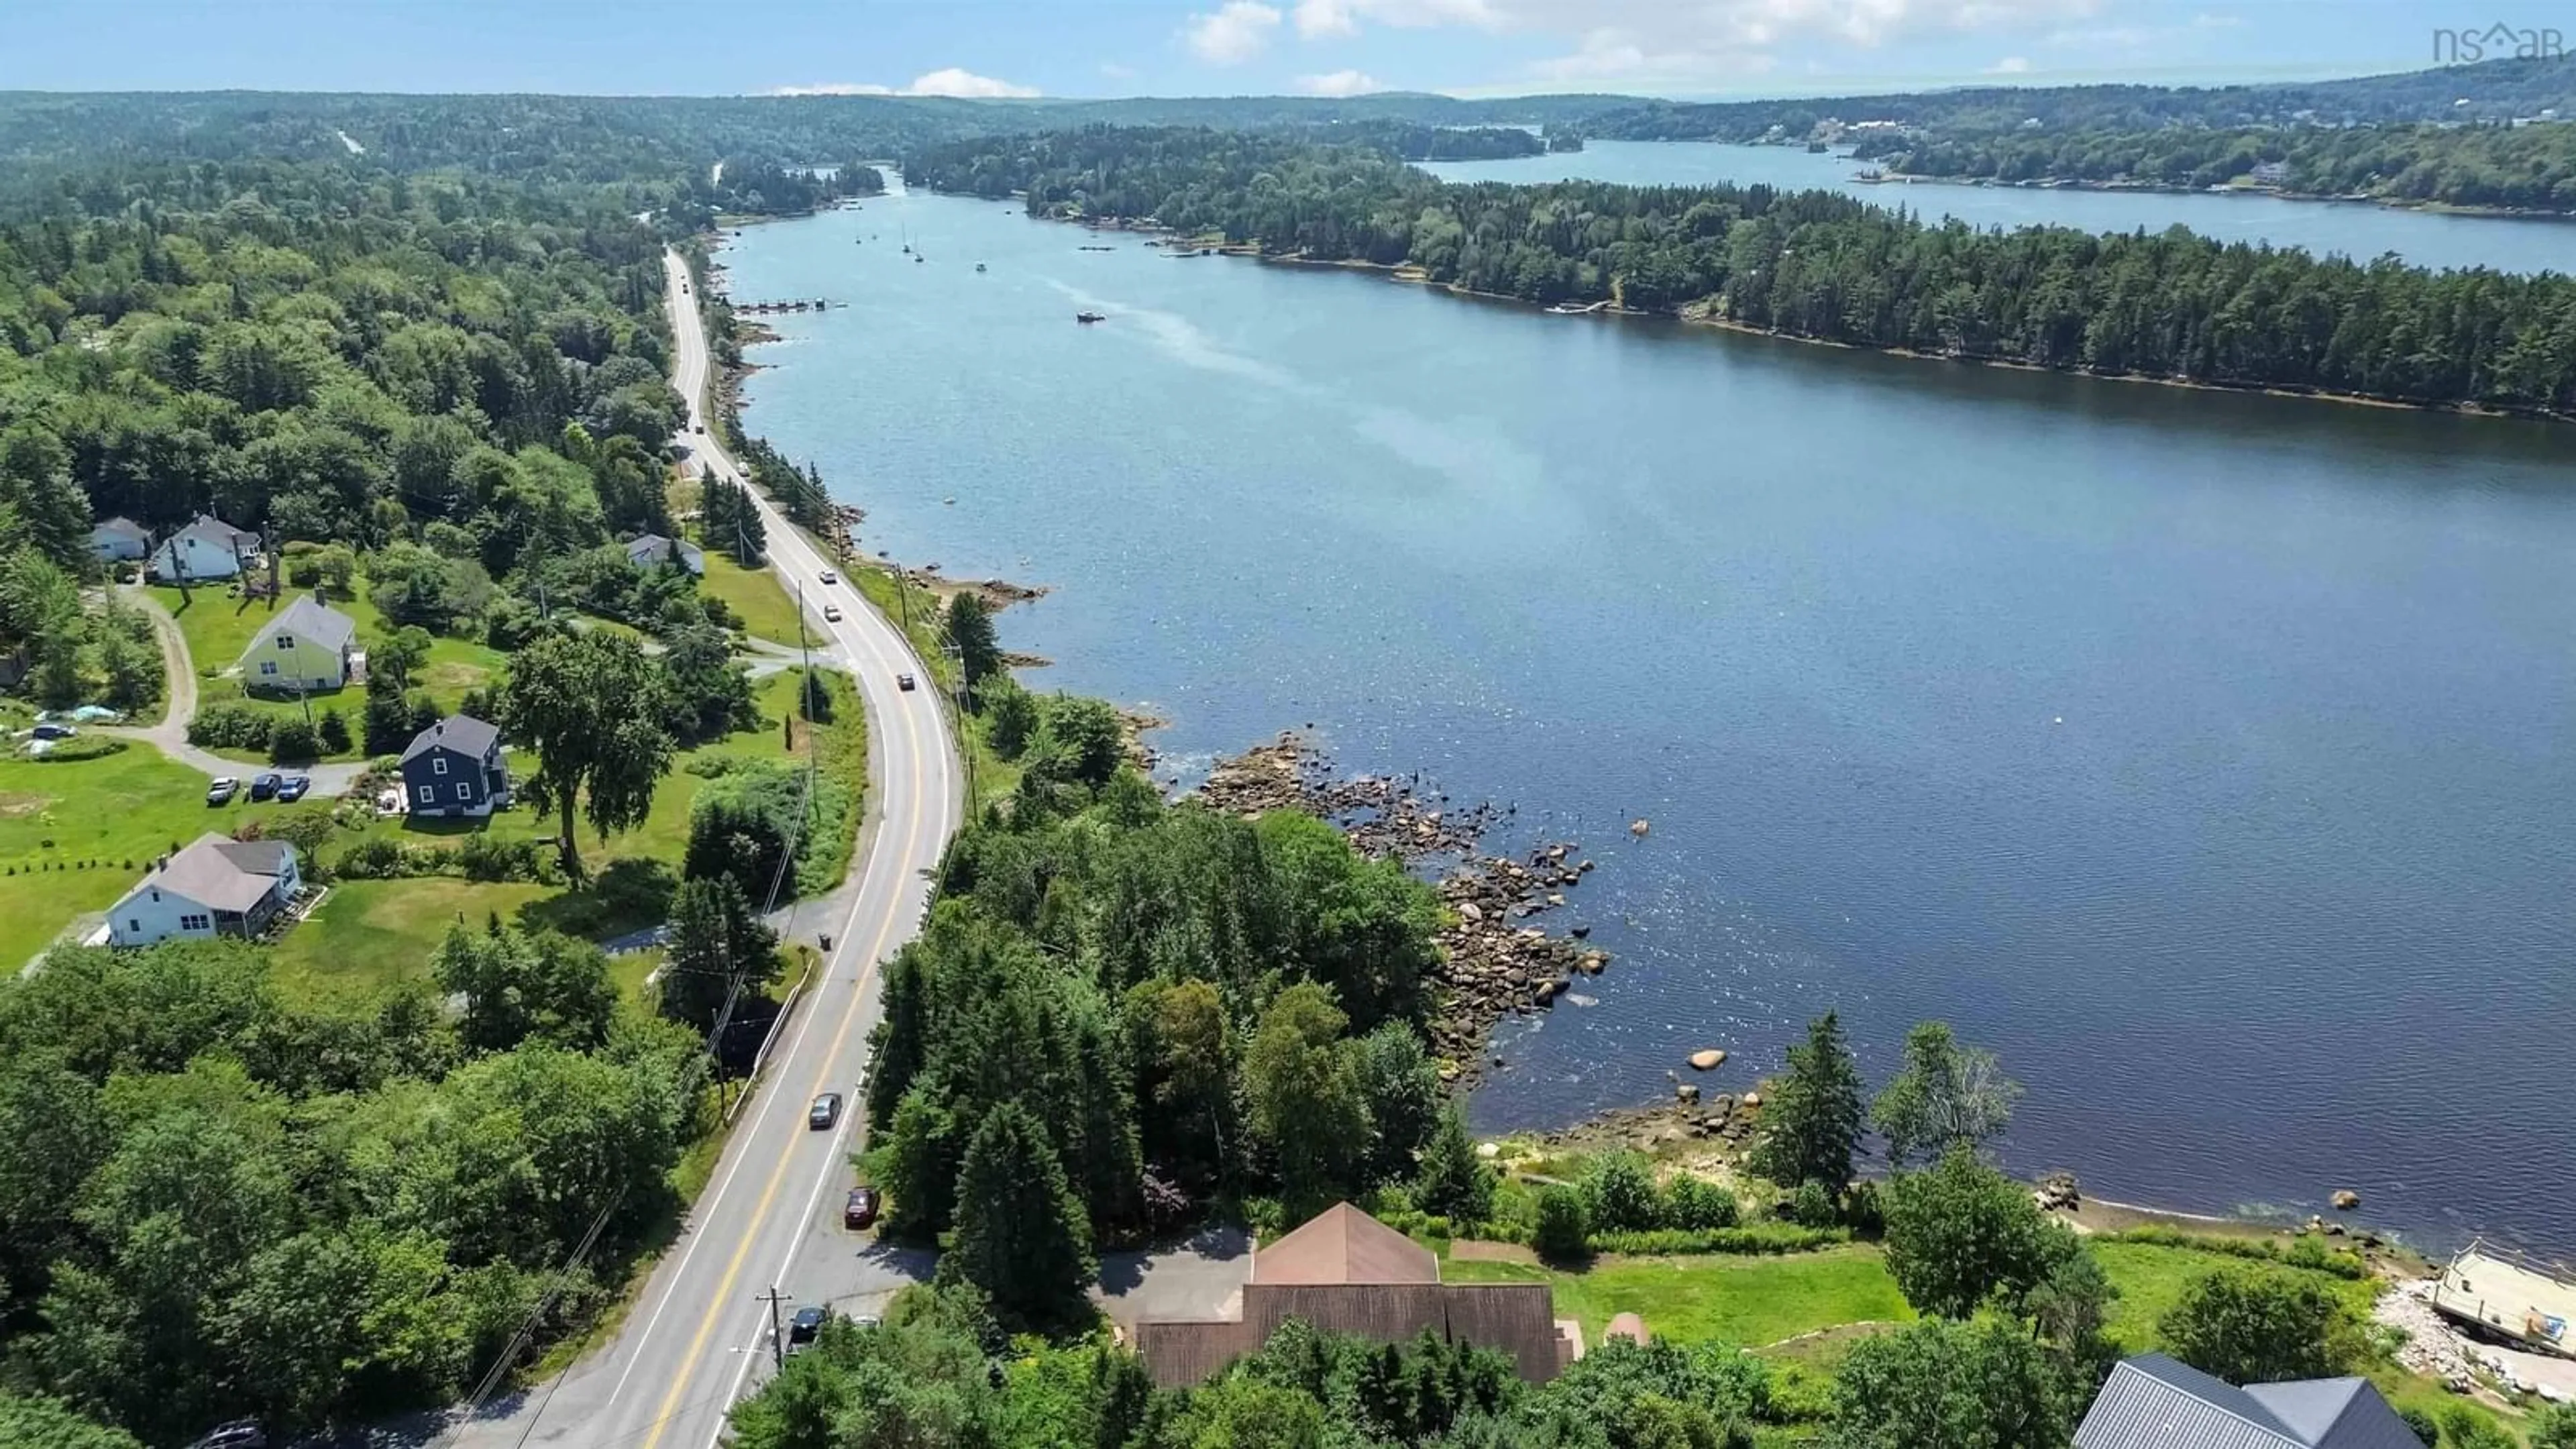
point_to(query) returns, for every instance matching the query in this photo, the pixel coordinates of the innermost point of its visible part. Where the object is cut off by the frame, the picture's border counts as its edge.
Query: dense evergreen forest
(657, 147)
(2517, 168)
(1822, 265)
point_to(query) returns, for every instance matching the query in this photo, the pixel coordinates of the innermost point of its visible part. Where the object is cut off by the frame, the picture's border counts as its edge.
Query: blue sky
(1214, 47)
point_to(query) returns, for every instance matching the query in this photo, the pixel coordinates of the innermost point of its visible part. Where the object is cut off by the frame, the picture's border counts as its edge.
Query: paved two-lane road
(771, 1213)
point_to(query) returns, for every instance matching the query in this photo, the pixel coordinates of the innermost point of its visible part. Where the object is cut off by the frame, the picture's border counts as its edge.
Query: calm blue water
(2360, 230)
(2205, 755)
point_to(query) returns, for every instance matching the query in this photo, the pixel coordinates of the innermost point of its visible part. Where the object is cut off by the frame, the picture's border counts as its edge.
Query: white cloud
(950, 81)
(1339, 83)
(1114, 71)
(1325, 17)
(2216, 22)
(2010, 65)
(956, 82)
(1233, 33)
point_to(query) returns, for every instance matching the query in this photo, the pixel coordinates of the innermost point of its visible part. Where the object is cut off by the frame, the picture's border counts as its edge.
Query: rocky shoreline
(1493, 962)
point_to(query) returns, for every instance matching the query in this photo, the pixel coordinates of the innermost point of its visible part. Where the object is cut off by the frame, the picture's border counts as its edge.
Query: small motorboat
(1090, 316)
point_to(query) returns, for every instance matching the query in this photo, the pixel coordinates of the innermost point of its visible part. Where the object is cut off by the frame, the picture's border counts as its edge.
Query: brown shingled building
(1346, 1272)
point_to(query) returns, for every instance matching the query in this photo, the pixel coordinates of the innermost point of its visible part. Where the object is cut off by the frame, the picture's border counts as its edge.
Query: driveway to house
(170, 736)
(1202, 1277)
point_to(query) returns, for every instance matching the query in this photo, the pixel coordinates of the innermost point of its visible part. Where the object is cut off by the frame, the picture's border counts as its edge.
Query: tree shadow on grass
(626, 895)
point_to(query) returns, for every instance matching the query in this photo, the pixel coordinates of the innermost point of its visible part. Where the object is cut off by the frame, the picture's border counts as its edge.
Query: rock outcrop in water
(1493, 962)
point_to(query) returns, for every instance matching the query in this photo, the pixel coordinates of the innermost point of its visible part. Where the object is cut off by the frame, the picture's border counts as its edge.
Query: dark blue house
(454, 768)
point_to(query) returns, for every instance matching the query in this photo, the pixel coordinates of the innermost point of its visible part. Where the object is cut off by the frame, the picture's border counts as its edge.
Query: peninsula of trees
(2169, 306)
(2503, 168)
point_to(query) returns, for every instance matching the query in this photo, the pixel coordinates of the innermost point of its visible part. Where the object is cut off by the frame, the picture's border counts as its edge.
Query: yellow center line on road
(778, 1175)
(840, 1036)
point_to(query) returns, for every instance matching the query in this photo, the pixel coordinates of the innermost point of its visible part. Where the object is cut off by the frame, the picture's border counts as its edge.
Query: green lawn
(218, 628)
(2151, 1279)
(1743, 1299)
(756, 597)
(1759, 1301)
(119, 810)
(369, 934)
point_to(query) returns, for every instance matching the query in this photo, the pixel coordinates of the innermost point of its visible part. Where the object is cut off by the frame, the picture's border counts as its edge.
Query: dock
(800, 305)
(2511, 1295)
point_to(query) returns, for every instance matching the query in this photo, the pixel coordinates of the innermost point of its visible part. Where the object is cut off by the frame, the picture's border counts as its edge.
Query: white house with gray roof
(207, 549)
(2156, 1402)
(306, 648)
(215, 887)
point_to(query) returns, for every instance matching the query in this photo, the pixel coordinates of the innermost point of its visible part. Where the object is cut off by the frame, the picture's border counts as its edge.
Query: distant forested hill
(2492, 90)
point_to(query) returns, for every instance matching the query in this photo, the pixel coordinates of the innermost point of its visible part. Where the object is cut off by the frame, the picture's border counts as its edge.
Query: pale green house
(306, 649)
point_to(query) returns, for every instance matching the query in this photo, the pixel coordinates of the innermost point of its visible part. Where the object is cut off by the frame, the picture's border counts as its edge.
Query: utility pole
(777, 1334)
(957, 651)
(811, 688)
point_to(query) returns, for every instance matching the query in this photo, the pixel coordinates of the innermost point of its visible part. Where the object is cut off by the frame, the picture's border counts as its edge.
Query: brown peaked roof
(1341, 1244)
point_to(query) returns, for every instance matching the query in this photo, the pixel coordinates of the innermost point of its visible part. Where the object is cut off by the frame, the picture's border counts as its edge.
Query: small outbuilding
(119, 539)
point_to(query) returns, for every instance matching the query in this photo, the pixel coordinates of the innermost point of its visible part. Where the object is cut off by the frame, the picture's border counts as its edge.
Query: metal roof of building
(2156, 1402)
(220, 873)
(309, 620)
(462, 733)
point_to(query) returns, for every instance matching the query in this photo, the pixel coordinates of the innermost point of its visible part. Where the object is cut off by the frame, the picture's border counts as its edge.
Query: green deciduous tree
(2257, 1325)
(1811, 1123)
(1947, 1094)
(54, 1425)
(1988, 1384)
(2552, 1426)
(1402, 1090)
(1022, 1237)
(1564, 1230)
(592, 707)
(1960, 1234)
(1010, 717)
(1619, 1194)
(1303, 1089)
(1079, 740)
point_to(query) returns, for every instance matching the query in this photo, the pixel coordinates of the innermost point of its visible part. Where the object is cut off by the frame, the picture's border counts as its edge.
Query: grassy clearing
(371, 935)
(1762, 1302)
(765, 607)
(2151, 1279)
(368, 935)
(1744, 1300)
(119, 810)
